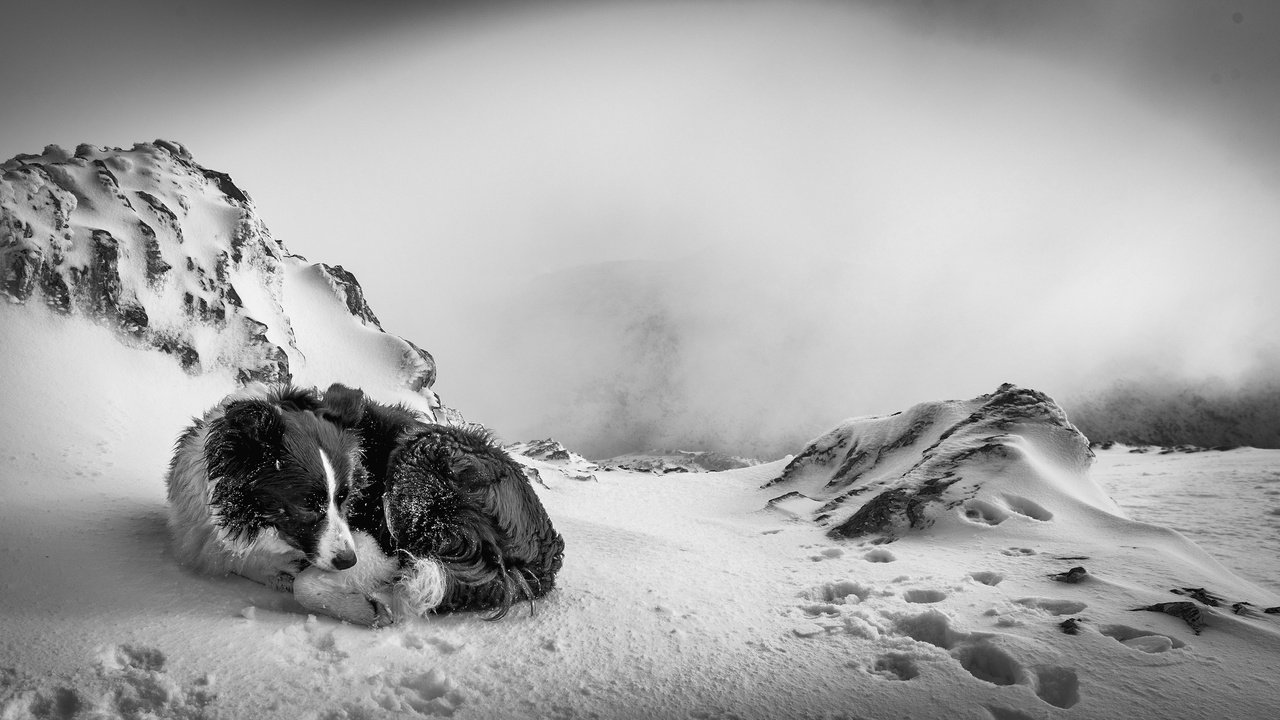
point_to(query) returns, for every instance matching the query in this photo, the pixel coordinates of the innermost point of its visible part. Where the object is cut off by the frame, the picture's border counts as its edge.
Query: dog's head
(280, 468)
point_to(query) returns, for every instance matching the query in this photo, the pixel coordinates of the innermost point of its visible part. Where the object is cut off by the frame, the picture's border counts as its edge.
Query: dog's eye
(306, 516)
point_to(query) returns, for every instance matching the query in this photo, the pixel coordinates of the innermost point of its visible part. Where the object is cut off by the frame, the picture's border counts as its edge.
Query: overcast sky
(635, 224)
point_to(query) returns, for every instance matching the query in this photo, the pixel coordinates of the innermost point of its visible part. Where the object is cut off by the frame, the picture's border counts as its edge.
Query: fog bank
(729, 225)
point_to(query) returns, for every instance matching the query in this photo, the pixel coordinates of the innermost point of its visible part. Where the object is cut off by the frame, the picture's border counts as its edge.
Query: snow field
(682, 595)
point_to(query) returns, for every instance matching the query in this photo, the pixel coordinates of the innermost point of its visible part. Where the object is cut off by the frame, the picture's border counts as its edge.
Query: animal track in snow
(1052, 606)
(987, 661)
(827, 554)
(418, 641)
(842, 589)
(131, 683)
(1029, 508)
(1017, 551)
(429, 693)
(880, 555)
(982, 658)
(986, 577)
(895, 666)
(1144, 640)
(923, 596)
(987, 513)
(1058, 686)
(820, 610)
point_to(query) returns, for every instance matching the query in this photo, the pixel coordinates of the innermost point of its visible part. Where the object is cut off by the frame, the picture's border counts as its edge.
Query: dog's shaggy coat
(365, 510)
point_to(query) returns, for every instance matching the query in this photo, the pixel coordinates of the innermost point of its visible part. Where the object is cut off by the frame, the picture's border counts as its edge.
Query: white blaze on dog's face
(335, 548)
(283, 478)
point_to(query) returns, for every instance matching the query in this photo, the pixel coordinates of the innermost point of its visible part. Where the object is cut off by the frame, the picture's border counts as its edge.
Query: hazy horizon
(631, 224)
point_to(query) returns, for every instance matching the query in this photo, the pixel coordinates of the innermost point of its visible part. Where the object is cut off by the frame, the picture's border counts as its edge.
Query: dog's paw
(331, 594)
(382, 615)
(282, 582)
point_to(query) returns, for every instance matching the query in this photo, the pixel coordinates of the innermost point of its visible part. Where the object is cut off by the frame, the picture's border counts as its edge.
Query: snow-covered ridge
(953, 461)
(661, 462)
(173, 255)
(657, 462)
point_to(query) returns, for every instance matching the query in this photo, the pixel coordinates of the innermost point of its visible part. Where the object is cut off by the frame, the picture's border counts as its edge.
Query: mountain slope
(174, 256)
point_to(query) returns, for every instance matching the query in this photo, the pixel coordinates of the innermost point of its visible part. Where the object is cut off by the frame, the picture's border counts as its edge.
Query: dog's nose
(344, 559)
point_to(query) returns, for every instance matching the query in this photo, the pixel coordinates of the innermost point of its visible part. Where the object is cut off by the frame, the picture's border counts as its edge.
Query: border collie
(364, 511)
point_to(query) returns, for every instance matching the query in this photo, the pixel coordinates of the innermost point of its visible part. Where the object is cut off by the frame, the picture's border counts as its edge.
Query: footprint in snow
(135, 684)
(1053, 606)
(412, 695)
(830, 553)
(895, 666)
(923, 596)
(880, 555)
(419, 641)
(986, 577)
(1142, 640)
(1018, 552)
(983, 658)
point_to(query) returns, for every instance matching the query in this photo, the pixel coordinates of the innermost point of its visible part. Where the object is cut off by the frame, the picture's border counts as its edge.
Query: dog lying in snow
(364, 511)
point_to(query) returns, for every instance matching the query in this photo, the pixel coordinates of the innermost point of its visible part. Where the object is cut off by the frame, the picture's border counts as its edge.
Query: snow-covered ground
(681, 595)
(1227, 502)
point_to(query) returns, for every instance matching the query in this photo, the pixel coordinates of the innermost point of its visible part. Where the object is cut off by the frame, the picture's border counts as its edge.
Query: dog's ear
(254, 421)
(242, 440)
(343, 406)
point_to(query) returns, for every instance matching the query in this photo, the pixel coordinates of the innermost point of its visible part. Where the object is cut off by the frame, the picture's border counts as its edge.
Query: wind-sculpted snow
(174, 256)
(977, 461)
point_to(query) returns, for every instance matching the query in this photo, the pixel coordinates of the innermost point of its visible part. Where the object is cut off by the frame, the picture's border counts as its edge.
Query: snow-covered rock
(174, 256)
(951, 461)
(552, 454)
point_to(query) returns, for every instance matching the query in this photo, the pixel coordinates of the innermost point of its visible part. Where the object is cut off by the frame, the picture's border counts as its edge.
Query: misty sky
(727, 224)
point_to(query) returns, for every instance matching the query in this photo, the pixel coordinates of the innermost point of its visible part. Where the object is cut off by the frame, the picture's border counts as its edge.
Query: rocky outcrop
(886, 476)
(348, 290)
(171, 254)
(662, 462)
(553, 453)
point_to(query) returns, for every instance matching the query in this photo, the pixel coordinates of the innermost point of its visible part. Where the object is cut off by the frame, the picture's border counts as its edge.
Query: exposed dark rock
(187, 355)
(162, 212)
(1189, 613)
(156, 266)
(22, 270)
(101, 287)
(224, 183)
(1199, 595)
(1074, 575)
(348, 289)
(421, 366)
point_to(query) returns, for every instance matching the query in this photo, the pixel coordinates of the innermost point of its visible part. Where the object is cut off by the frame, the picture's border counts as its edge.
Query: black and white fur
(364, 510)
(261, 487)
